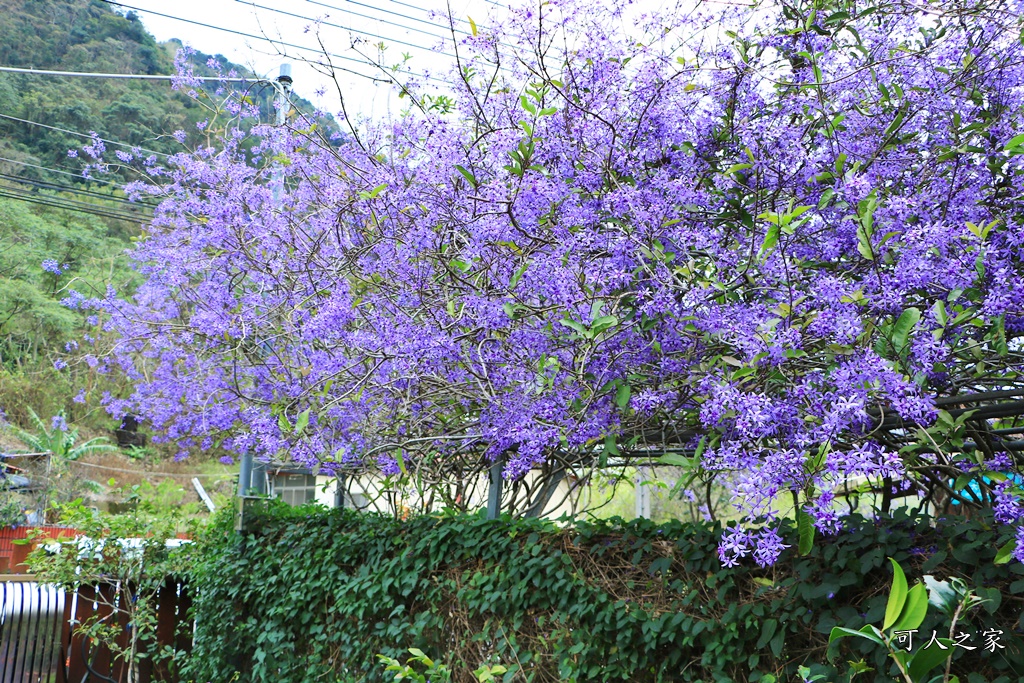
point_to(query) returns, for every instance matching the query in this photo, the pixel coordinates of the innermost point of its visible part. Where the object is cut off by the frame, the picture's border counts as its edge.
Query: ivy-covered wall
(308, 594)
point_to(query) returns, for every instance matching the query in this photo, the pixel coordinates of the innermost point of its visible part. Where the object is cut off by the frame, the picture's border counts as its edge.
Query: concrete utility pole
(283, 88)
(643, 494)
(253, 475)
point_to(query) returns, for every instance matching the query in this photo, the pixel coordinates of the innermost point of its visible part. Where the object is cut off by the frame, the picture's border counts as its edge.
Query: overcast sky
(406, 26)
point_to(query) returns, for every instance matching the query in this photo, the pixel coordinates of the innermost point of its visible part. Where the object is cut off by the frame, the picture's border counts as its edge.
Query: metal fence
(38, 642)
(30, 631)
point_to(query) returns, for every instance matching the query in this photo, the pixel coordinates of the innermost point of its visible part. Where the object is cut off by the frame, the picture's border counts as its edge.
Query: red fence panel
(12, 555)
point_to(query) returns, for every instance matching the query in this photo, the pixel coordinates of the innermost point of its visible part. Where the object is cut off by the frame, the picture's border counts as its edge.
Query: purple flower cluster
(768, 249)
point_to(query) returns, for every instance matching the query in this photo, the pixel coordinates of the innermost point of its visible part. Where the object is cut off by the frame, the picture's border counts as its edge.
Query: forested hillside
(57, 230)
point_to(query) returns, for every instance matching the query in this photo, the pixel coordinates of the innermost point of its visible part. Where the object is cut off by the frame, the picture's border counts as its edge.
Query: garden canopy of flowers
(779, 245)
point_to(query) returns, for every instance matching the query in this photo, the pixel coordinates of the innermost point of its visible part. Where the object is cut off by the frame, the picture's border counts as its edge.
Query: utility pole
(253, 476)
(643, 494)
(283, 87)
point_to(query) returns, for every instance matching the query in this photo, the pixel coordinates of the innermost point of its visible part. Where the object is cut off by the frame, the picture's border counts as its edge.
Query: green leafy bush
(312, 594)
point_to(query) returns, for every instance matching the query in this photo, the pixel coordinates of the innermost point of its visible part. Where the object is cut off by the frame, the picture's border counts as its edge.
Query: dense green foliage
(34, 326)
(310, 594)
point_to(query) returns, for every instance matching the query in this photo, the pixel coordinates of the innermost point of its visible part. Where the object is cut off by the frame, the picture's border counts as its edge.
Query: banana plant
(59, 440)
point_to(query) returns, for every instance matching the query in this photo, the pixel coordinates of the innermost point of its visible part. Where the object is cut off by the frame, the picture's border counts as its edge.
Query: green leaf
(805, 526)
(401, 466)
(799, 211)
(897, 596)
(767, 631)
(622, 395)
(941, 595)
(914, 610)
(467, 175)
(927, 659)
(826, 197)
(372, 194)
(603, 323)
(420, 656)
(573, 325)
(736, 168)
(472, 25)
(771, 238)
(1005, 552)
(867, 632)
(701, 445)
(864, 244)
(1015, 141)
(903, 327)
(517, 275)
(302, 422)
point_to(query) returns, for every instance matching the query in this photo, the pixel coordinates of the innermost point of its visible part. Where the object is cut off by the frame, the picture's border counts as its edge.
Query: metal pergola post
(494, 492)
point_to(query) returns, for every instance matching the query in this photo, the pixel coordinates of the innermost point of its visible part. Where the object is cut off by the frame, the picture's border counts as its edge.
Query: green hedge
(309, 594)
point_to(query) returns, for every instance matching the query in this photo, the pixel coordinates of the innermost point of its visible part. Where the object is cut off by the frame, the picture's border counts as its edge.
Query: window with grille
(295, 489)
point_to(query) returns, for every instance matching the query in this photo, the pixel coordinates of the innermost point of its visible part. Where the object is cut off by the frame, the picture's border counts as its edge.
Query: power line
(69, 205)
(82, 135)
(157, 474)
(42, 184)
(383, 21)
(264, 38)
(347, 28)
(410, 6)
(405, 16)
(54, 170)
(145, 77)
(65, 205)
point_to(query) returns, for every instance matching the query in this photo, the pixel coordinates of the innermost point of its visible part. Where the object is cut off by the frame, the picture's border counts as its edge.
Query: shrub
(306, 592)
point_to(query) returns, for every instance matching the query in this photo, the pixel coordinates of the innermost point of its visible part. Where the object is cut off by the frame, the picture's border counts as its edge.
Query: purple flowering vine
(787, 242)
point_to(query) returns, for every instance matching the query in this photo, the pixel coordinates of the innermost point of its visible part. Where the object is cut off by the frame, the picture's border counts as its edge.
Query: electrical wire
(99, 212)
(125, 207)
(82, 135)
(54, 170)
(383, 21)
(411, 6)
(444, 37)
(264, 38)
(141, 77)
(57, 187)
(156, 474)
(9, 193)
(347, 28)
(405, 16)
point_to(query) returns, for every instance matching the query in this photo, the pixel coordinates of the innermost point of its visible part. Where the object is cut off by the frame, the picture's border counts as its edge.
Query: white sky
(396, 21)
